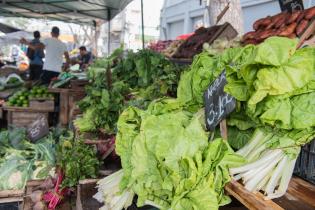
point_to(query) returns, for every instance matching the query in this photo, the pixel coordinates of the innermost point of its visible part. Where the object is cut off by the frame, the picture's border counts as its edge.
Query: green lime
(22, 98)
(25, 105)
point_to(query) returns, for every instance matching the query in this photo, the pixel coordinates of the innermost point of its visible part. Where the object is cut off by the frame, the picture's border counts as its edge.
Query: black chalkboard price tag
(218, 104)
(38, 129)
(291, 5)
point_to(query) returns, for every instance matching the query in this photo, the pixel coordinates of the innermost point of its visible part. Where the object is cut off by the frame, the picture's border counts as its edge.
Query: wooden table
(300, 196)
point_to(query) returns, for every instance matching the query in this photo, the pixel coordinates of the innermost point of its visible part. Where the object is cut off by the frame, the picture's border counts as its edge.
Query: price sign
(291, 5)
(218, 104)
(38, 129)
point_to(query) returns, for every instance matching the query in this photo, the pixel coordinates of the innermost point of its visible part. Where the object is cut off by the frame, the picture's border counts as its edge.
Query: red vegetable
(293, 17)
(309, 13)
(288, 30)
(301, 27)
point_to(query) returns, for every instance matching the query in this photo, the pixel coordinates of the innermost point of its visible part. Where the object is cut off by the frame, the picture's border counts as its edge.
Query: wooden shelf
(300, 195)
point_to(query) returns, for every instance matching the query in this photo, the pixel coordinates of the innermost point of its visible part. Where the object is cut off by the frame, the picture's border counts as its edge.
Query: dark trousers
(35, 71)
(47, 76)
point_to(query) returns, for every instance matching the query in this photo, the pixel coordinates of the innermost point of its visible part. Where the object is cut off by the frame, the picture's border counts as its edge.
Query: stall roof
(7, 29)
(76, 11)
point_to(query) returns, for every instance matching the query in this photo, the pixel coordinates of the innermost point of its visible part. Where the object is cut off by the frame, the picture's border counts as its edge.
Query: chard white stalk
(252, 173)
(257, 163)
(257, 137)
(276, 175)
(251, 184)
(254, 155)
(285, 180)
(262, 183)
(109, 193)
(237, 177)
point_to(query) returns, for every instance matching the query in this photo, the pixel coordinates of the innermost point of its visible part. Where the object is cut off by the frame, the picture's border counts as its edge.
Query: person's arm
(67, 57)
(30, 45)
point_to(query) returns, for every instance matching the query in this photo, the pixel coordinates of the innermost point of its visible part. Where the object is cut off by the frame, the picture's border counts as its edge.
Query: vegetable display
(275, 91)
(22, 97)
(284, 24)
(21, 160)
(160, 45)
(77, 160)
(194, 44)
(179, 168)
(273, 85)
(136, 80)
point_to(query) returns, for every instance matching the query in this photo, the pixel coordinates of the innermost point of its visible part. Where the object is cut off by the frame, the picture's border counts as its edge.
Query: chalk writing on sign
(291, 5)
(218, 104)
(38, 129)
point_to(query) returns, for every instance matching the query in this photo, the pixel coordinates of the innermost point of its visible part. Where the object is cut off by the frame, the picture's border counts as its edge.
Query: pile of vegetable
(180, 168)
(77, 161)
(168, 161)
(136, 80)
(11, 81)
(160, 45)
(172, 48)
(219, 45)
(275, 90)
(22, 97)
(21, 160)
(194, 44)
(284, 24)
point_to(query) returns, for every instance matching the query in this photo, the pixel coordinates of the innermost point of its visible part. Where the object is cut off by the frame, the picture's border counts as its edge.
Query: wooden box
(23, 116)
(47, 105)
(78, 84)
(86, 189)
(31, 186)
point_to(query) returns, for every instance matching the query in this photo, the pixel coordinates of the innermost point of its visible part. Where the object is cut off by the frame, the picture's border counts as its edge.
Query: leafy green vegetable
(177, 163)
(21, 160)
(77, 160)
(137, 79)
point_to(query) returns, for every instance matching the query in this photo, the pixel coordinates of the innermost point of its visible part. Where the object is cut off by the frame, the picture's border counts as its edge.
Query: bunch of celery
(109, 193)
(271, 159)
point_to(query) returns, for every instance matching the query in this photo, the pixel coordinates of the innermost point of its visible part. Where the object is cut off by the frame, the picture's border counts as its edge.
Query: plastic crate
(305, 164)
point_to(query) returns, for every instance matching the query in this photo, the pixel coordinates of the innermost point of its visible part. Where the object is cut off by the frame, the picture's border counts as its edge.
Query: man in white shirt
(55, 49)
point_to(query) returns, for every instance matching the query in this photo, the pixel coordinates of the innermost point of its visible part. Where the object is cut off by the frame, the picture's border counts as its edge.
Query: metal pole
(108, 39)
(142, 25)
(108, 70)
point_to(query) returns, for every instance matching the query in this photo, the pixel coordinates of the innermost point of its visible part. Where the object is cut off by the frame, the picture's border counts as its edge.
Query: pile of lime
(22, 97)
(40, 92)
(19, 99)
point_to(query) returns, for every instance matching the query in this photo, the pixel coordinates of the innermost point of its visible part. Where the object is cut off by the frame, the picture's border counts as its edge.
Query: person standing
(55, 49)
(36, 58)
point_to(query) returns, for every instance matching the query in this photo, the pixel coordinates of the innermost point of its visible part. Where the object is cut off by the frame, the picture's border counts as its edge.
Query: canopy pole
(142, 25)
(108, 39)
(108, 70)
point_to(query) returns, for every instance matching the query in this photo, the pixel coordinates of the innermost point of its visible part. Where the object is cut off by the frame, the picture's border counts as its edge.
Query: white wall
(187, 10)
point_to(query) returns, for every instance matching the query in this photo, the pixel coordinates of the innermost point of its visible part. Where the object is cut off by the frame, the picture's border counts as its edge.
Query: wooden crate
(85, 192)
(47, 105)
(8, 196)
(23, 116)
(78, 84)
(31, 186)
